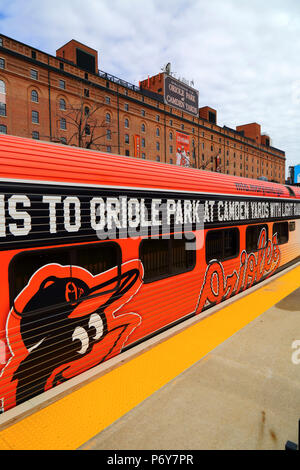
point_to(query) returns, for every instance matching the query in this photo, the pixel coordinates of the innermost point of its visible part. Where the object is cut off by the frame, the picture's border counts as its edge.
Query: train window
(24, 265)
(291, 191)
(95, 258)
(182, 259)
(292, 226)
(282, 230)
(222, 244)
(155, 258)
(252, 237)
(162, 258)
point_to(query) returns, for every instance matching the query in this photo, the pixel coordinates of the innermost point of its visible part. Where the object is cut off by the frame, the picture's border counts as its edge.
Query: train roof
(33, 160)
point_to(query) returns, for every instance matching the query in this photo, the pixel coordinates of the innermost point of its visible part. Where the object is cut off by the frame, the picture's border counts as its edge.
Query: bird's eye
(81, 334)
(97, 323)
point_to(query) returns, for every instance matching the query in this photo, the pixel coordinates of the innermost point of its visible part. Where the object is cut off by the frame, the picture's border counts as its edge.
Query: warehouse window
(2, 87)
(126, 123)
(35, 135)
(282, 230)
(164, 258)
(62, 104)
(107, 118)
(126, 139)
(143, 128)
(63, 124)
(2, 63)
(86, 111)
(222, 244)
(2, 109)
(86, 92)
(108, 134)
(3, 129)
(252, 237)
(35, 117)
(33, 74)
(34, 96)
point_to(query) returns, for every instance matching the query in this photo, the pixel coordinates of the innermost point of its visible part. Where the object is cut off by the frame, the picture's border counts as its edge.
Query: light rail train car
(98, 252)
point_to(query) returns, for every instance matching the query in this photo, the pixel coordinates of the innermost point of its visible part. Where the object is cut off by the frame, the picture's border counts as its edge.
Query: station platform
(227, 380)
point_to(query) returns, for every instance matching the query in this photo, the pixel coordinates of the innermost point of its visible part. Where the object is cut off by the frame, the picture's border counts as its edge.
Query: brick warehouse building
(67, 99)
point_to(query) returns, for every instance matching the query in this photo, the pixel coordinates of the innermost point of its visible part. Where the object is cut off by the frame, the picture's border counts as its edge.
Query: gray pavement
(245, 394)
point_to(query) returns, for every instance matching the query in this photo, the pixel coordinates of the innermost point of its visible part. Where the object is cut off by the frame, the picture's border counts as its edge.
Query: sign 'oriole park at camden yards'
(181, 96)
(36, 214)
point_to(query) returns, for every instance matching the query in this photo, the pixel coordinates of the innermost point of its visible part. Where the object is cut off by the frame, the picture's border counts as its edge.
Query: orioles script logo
(63, 323)
(253, 268)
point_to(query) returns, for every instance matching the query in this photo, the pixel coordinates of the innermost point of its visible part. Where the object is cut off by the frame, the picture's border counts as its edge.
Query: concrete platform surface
(245, 394)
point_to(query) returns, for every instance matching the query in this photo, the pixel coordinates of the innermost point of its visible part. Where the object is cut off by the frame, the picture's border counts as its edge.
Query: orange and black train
(99, 252)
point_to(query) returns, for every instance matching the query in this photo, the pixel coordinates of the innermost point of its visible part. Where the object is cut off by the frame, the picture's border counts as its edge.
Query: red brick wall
(252, 131)
(68, 51)
(155, 83)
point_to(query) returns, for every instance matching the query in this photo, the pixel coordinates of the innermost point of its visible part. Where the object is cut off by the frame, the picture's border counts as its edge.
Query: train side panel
(70, 301)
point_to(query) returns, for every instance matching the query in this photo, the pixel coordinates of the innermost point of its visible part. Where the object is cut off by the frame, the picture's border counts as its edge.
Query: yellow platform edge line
(77, 417)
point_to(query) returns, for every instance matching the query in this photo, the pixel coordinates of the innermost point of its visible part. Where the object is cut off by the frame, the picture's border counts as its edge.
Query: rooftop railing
(118, 81)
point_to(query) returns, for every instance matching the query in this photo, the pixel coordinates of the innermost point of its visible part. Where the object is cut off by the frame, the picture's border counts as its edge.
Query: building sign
(183, 157)
(181, 96)
(137, 146)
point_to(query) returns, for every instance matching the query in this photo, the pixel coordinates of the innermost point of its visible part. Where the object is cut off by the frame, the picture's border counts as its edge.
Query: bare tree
(203, 166)
(87, 129)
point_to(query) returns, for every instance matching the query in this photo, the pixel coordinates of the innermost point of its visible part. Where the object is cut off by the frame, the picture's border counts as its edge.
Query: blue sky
(242, 55)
